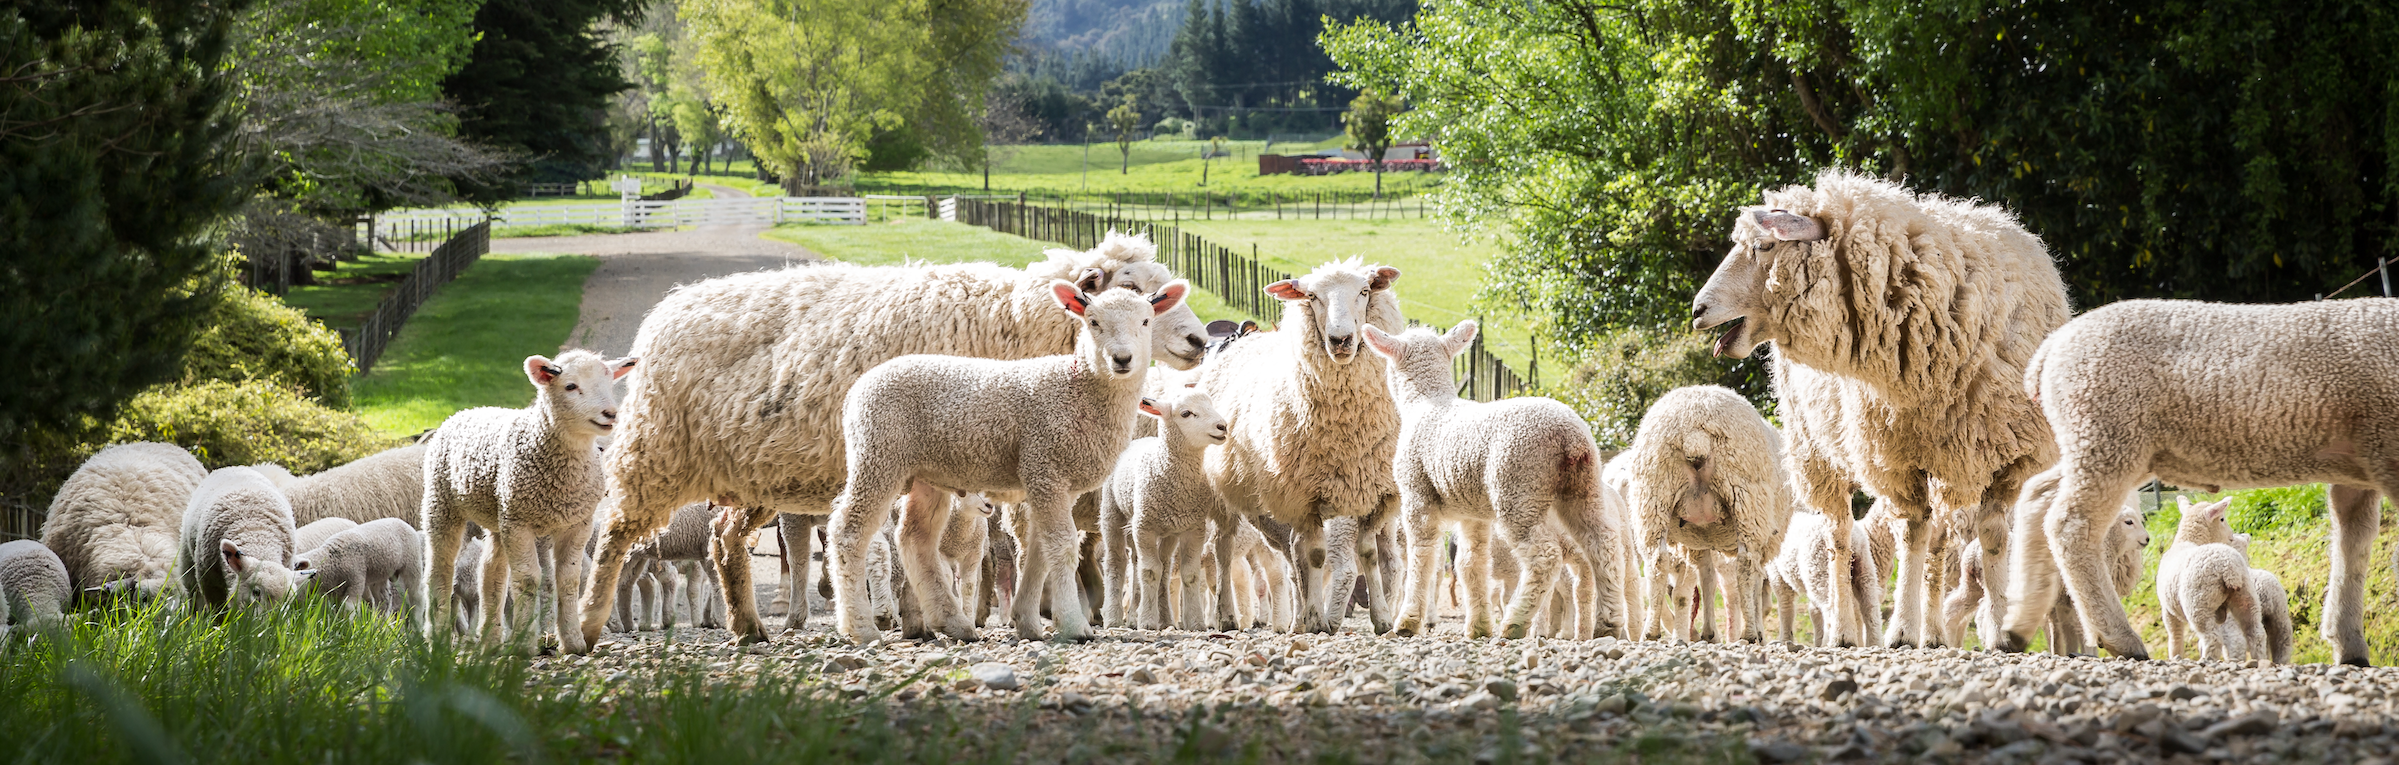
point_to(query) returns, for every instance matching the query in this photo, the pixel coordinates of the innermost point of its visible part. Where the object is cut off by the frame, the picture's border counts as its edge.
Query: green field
(345, 295)
(466, 347)
(1157, 166)
(931, 241)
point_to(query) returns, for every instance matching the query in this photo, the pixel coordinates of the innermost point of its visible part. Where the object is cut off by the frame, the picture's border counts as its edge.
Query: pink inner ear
(1068, 297)
(1286, 291)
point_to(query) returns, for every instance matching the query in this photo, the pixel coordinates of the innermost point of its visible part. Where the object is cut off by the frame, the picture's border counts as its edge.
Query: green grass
(352, 289)
(931, 241)
(467, 346)
(1157, 166)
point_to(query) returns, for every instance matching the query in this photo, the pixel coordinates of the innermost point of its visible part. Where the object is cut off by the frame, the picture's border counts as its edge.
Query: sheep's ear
(1383, 277)
(1382, 343)
(1788, 226)
(1150, 408)
(300, 565)
(2215, 510)
(1286, 289)
(1070, 297)
(2183, 504)
(232, 553)
(1222, 328)
(1090, 280)
(539, 370)
(1169, 296)
(1460, 337)
(619, 368)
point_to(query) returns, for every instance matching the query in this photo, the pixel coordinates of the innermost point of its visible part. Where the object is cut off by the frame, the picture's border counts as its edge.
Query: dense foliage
(538, 84)
(253, 336)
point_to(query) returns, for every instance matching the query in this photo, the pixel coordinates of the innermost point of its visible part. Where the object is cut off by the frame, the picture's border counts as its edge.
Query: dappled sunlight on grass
(467, 346)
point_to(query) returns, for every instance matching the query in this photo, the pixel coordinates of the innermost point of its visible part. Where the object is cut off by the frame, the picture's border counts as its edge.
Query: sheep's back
(119, 512)
(386, 484)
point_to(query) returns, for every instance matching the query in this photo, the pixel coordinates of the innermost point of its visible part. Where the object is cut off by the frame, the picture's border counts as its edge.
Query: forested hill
(1130, 33)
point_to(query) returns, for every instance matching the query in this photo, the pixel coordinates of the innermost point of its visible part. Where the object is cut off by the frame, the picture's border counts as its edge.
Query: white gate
(744, 211)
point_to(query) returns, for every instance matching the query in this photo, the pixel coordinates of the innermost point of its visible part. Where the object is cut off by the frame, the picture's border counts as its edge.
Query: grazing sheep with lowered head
(34, 590)
(236, 545)
(116, 518)
(380, 563)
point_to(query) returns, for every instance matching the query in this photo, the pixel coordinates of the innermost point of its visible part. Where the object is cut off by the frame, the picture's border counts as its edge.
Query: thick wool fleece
(1706, 476)
(2216, 396)
(381, 563)
(1159, 491)
(387, 484)
(1901, 325)
(34, 590)
(117, 516)
(313, 535)
(1314, 432)
(236, 546)
(743, 377)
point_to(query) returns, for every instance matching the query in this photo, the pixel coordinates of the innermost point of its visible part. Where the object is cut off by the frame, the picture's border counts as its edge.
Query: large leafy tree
(538, 83)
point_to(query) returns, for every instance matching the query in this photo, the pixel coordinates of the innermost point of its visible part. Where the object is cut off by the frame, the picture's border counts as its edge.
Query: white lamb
(2203, 586)
(524, 474)
(380, 563)
(1706, 476)
(1902, 324)
(963, 547)
(740, 398)
(34, 587)
(466, 584)
(1314, 435)
(313, 535)
(2217, 397)
(2273, 609)
(386, 484)
(1045, 429)
(116, 518)
(1524, 467)
(1159, 491)
(236, 546)
(685, 539)
(1804, 566)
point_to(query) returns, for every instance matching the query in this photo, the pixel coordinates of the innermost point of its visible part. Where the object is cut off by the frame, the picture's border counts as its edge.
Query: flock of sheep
(929, 416)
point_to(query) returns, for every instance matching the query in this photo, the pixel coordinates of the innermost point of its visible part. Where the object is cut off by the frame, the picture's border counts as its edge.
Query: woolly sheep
(386, 484)
(1524, 467)
(313, 535)
(1314, 435)
(375, 562)
(1706, 476)
(1804, 566)
(686, 538)
(466, 584)
(236, 547)
(2203, 585)
(963, 547)
(1159, 492)
(2273, 608)
(740, 401)
(1901, 326)
(524, 474)
(1045, 429)
(2216, 397)
(34, 586)
(117, 517)
(275, 474)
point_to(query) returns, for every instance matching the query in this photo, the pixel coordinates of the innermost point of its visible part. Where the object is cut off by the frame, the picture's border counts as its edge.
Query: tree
(121, 154)
(538, 83)
(1126, 122)
(1215, 147)
(1005, 125)
(1368, 125)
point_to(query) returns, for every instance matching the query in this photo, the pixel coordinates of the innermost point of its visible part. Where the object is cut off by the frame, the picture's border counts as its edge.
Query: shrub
(240, 423)
(1627, 370)
(253, 336)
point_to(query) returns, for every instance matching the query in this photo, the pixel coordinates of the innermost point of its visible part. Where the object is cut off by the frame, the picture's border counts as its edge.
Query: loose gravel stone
(996, 676)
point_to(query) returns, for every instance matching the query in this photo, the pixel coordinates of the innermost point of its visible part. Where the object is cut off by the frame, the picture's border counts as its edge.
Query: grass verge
(467, 346)
(932, 241)
(345, 295)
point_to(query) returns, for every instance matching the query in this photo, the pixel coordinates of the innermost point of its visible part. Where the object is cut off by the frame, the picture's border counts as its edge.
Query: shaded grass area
(466, 347)
(933, 241)
(351, 290)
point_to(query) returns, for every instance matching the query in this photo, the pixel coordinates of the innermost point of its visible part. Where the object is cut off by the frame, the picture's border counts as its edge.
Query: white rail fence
(763, 211)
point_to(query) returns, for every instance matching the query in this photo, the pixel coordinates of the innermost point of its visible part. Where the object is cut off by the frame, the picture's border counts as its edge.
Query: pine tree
(539, 82)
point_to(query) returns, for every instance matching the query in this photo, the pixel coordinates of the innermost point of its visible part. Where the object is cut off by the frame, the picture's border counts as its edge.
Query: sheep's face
(1420, 358)
(2136, 534)
(1116, 324)
(1188, 414)
(256, 583)
(1335, 297)
(1177, 337)
(578, 389)
(974, 502)
(1735, 297)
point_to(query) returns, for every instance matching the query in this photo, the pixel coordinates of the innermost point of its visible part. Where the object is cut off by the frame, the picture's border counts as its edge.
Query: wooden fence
(1240, 280)
(366, 343)
(398, 228)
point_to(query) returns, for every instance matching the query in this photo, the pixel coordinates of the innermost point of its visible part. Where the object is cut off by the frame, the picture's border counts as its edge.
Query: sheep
(963, 547)
(275, 474)
(35, 590)
(466, 583)
(2273, 609)
(524, 474)
(2126, 541)
(1706, 476)
(386, 484)
(1804, 565)
(1159, 489)
(1045, 429)
(686, 538)
(116, 518)
(1260, 580)
(741, 400)
(375, 562)
(313, 535)
(2203, 584)
(1525, 467)
(2216, 397)
(1314, 435)
(236, 542)
(1901, 324)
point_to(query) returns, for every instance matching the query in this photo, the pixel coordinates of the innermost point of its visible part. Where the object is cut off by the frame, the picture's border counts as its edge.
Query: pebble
(994, 675)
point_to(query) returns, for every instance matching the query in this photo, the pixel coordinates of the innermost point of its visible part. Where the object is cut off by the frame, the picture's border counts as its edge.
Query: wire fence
(366, 343)
(1239, 280)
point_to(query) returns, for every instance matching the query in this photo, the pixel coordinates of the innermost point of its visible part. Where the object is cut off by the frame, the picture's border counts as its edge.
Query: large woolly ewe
(1524, 467)
(236, 542)
(116, 517)
(1314, 433)
(743, 378)
(380, 563)
(1705, 475)
(386, 484)
(34, 589)
(1902, 325)
(1159, 493)
(2213, 396)
(1038, 431)
(526, 475)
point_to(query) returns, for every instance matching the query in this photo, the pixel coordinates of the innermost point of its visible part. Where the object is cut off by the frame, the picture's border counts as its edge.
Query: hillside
(1130, 32)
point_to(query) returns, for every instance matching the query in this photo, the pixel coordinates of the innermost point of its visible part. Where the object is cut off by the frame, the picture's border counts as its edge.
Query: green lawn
(932, 241)
(466, 347)
(346, 294)
(1157, 166)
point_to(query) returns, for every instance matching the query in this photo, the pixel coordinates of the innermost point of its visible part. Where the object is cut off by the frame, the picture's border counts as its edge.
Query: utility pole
(1087, 128)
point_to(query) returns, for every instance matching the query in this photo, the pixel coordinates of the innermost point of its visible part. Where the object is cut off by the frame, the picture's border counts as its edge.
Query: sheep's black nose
(1196, 341)
(1122, 362)
(608, 413)
(1698, 311)
(1342, 341)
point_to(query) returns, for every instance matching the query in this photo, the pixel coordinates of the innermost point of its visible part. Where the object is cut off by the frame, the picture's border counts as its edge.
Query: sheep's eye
(1095, 322)
(570, 386)
(1145, 322)
(1366, 291)
(1188, 414)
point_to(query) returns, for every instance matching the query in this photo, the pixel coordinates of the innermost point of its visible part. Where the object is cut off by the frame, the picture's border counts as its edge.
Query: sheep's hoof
(962, 631)
(2010, 642)
(751, 638)
(1073, 637)
(2354, 661)
(1408, 627)
(1516, 631)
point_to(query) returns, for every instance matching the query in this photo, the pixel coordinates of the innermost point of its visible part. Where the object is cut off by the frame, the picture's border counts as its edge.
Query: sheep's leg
(859, 514)
(1195, 592)
(2077, 532)
(443, 536)
(1992, 525)
(1826, 488)
(2356, 516)
(2065, 629)
(567, 582)
(729, 552)
(523, 574)
(1244, 585)
(1786, 601)
(1703, 564)
(1050, 518)
(1915, 550)
(1753, 596)
(971, 585)
(799, 546)
(1235, 601)
(707, 607)
(1114, 550)
(1309, 561)
(1340, 570)
(1661, 595)
(495, 583)
(1151, 549)
(2169, 607)
(1474, 576)
(629, 520)
(925, 517)
(1537, 556)
(1376, 556)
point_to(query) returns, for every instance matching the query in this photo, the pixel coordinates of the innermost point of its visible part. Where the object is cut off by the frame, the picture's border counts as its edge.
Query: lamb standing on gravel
(2203, 586)
(1706, 476)
(376, 562)
(1159, 492)
(2217, 397)
(1805, 566)
(524, 474)
(313, 535)
(117, 517)
(236, 546)
(1046, 430)
(466, 584)
(2273, 609)
(34, 589)
(1524, 467)
(1314, 435)
(963, 547)
(1902, 324)
(386, 484)
(744, 376)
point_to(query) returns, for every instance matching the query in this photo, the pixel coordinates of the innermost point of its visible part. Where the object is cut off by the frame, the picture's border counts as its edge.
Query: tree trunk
(657, 148)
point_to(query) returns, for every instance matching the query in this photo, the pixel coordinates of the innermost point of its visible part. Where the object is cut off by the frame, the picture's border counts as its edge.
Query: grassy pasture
(466, 347)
